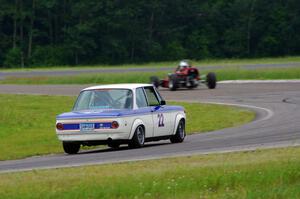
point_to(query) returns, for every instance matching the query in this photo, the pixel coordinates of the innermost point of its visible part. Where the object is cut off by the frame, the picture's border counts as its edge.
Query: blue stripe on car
(117, 113)
(71, 126)
(98, 125)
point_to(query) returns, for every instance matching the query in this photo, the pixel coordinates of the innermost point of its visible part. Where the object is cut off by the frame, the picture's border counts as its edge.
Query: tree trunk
(151, 26)
(31, 30)
(132, 52)
(249, 26)
(22, 59)
(22, 33)
(50, 27)
(15, 25)
(56, 29)
(21, 23)
(76, 58)
(64, 18)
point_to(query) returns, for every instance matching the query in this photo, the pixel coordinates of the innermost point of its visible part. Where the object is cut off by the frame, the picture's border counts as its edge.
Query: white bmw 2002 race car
(119, 114)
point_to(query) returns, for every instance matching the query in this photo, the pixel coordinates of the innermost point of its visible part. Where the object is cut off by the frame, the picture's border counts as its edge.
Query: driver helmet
(184, 64)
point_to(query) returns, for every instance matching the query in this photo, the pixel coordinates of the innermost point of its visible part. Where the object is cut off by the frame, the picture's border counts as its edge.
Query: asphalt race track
(74, 71)
(277, 124)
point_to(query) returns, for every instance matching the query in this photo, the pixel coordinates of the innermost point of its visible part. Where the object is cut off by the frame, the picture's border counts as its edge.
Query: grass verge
(231, 73)
(172, 64)
(27, 122)
(260, 174)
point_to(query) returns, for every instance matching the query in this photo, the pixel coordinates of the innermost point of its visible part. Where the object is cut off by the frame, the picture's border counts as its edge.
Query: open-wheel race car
(185, 76)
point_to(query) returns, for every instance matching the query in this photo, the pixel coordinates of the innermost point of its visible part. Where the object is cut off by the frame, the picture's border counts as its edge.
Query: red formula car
(185, 76)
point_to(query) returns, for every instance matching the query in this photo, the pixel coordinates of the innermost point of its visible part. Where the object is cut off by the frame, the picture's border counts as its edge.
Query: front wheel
(138, 139)
(71, 147)
(211, 80)
(173, 83)
(180, 133)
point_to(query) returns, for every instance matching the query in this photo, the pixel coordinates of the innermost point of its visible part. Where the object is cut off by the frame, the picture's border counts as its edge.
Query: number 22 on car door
(162, 124)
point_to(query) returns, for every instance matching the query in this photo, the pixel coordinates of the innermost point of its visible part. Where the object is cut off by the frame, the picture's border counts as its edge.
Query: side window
(140, 98)
(158, 95)
(151, 95)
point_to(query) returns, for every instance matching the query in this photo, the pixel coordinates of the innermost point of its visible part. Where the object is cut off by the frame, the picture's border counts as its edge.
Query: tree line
(69, 32)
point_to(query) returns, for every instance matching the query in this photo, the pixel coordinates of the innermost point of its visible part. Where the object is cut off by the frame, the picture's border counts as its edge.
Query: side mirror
(163, 102)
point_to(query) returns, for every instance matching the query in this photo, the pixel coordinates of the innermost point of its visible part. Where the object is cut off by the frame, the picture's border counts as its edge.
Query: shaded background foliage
(69, 32)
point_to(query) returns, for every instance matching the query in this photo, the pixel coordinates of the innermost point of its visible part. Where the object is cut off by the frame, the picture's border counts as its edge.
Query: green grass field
(27, 122)
(260, 174)
(27, 129)
(231, 73)
(172, 64)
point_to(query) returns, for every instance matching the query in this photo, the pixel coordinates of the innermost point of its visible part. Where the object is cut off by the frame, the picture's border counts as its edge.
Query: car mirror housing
(163, 102)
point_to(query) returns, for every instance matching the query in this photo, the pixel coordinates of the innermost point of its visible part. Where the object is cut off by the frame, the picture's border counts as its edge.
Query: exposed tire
(180, 133)
(155, 81)
(138, 139)
(211, 80)
(113, 145)
(71, 147)
(173, 83)
(190, 83)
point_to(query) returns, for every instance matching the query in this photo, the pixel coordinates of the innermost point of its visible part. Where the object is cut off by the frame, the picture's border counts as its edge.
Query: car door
(145, 112)
(162, 118)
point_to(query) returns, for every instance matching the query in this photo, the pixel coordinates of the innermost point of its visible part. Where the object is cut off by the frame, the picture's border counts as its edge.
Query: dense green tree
(61, 32)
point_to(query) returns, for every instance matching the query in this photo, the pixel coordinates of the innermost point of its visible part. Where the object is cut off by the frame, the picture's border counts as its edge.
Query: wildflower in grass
(147, 194)
(154, 183)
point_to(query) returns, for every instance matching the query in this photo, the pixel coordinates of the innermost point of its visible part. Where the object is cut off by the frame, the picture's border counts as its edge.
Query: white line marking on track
(258, 81)
(270, 113)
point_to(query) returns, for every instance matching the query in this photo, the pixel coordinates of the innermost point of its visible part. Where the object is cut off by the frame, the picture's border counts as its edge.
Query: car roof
(117, 86)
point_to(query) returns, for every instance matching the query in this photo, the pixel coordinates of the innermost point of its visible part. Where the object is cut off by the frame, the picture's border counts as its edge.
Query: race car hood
(93, 114)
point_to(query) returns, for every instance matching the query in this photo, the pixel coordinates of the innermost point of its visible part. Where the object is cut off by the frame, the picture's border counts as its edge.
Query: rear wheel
(138, 139)
(173, 84)
(71, 147)
(211, 80)
(155, 81)
(180, 133)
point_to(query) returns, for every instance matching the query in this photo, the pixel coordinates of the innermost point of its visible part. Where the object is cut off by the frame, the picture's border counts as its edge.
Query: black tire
(180, 133)
(173, 83)
(155, 81)
(138, 139)
(190, 83)
(113, 145)
(211, 80)
(71, 147)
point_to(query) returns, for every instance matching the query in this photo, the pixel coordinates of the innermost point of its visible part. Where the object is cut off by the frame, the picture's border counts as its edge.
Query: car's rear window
(104, 99)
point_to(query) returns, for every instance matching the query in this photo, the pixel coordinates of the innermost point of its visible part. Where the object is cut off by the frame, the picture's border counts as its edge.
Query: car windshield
(104, 99)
